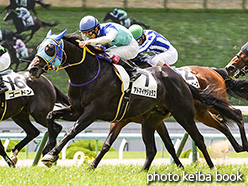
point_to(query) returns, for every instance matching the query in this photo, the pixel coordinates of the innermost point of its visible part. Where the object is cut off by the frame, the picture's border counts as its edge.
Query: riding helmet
(136, 30)
(88, 23)
(115, 11)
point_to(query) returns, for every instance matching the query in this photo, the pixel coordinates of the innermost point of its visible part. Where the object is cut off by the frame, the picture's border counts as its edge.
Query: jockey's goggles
(139, 39)
(89, 33)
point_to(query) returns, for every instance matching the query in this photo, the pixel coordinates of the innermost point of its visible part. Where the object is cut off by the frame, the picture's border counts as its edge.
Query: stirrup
(134, 76)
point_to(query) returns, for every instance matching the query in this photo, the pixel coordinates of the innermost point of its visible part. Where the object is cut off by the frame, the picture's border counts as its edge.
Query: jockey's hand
(83, 43)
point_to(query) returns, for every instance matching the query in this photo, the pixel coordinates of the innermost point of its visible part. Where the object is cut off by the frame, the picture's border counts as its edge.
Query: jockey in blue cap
(124, 46)
(120, 14)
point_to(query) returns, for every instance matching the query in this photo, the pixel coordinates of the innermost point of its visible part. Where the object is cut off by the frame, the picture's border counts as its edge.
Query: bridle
(239, 56)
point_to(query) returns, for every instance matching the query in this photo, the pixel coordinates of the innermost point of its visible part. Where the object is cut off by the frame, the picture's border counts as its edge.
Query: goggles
(139, 39)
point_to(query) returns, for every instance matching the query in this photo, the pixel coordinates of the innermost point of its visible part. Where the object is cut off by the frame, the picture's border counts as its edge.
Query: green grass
(202, 37)
(134, 155)
(111, 175)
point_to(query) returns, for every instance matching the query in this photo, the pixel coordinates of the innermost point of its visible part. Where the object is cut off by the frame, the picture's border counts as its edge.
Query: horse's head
(49, 55)
(10, 15)
(239, 61)
(107, 16)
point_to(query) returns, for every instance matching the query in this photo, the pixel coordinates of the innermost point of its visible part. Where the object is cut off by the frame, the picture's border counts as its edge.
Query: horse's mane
(74, 36)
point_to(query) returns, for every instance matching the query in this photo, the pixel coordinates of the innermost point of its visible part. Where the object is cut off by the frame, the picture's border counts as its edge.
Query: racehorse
(11, 15)
(127, 23)
(28, 4)
(91, 78)
(9, 35)
(239, 63)
(15, 61)
(38, 106)
(218, 83)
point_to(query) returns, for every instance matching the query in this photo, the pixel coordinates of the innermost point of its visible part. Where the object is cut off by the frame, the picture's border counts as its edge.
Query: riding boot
(3, 87)
(132, 71)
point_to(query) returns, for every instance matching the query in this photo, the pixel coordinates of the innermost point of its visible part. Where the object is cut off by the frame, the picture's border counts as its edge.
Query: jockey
(120, 14)
(25, 15)
(151, 41)
(124, 46)
(4, 64)
(21, 49)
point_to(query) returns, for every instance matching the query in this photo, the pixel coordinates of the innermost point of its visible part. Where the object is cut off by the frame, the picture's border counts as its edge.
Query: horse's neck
(85, 71)
(18, 24)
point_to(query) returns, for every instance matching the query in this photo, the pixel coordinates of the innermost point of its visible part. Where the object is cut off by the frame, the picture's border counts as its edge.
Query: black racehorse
(38, 106)
(95, 91)
(127, 23)
(28, 4)
(11, 15)
(9, 35)
(15, 61)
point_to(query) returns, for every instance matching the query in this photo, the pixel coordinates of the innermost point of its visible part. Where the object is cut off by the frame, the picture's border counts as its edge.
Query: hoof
(49, 159)
(91, 167)
(13, 156)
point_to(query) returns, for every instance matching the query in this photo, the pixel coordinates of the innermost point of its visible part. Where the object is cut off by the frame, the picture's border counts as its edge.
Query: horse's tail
(5, 8)
(237, 88)
(44, 5)
(227, 112)
(49, 24)
(61, 97)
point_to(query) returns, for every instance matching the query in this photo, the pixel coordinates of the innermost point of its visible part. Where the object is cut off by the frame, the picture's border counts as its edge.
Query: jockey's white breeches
(169, 57)
(126, 52)
(5, 61)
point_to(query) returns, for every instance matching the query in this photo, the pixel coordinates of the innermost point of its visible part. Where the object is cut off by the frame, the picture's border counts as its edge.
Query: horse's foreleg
(83, 122)
(22, 119)
(114, 132)
(211, 121)
(5, 156)
(53, 131)
(163, 133)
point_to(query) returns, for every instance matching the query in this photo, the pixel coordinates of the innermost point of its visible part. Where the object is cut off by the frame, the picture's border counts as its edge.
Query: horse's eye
(50, 50)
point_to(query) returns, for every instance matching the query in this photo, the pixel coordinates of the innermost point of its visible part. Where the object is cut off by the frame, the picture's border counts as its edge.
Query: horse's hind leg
(114, 132)
(163, 133)
(186, 119)
(209, 120)
(5, 156)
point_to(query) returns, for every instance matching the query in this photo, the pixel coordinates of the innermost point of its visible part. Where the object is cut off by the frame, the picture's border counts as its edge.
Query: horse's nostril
(33, 71)
(230, 68)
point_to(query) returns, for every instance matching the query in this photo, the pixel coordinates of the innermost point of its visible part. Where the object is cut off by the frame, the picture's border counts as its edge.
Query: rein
(83, 84)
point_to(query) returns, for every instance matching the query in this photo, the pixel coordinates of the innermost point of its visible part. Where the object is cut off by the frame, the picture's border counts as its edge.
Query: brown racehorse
(92, 78)
(239, 63)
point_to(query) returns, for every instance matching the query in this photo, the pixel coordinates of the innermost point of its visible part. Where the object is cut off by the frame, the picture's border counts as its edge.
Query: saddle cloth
(187, 76)
(17, 86)
(145, 85)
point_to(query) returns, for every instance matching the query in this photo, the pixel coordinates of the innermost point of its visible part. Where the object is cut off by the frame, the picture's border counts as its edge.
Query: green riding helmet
(17, 9)
(136, 30)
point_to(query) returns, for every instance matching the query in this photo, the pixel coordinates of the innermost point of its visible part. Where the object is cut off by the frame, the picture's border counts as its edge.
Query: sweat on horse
(11, 15)
(38, 106)
(91, 78)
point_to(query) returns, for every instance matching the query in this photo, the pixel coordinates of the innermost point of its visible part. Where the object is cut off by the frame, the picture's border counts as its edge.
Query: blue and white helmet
(115, 11)
(88, 23)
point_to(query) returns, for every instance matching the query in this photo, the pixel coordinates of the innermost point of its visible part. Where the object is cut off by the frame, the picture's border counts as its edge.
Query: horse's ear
(59, 37)
(49, 33)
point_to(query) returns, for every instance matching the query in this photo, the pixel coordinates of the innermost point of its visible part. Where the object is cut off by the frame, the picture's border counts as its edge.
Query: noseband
(239, 56)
